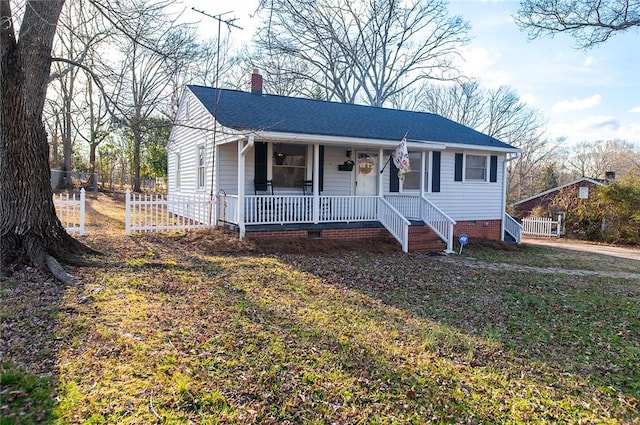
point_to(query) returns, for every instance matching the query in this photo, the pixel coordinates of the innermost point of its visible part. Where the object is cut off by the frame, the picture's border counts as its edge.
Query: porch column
(241, 163)
(381, 162)
(423, 158)
(316, 183)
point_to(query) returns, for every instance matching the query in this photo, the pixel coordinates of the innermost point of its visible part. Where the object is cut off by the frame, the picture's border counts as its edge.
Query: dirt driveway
(614, 251)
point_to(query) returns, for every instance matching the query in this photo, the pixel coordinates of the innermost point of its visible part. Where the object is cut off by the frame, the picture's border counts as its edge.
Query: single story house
(558, 200)
(277, 166)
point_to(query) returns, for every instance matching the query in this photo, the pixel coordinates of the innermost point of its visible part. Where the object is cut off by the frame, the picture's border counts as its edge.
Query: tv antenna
(230, 24)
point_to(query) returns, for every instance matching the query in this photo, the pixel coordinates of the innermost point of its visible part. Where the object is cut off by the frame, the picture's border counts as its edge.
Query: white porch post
(381, 162)
(503, 206)
(241, 167)
(423, 158)
(316, 183)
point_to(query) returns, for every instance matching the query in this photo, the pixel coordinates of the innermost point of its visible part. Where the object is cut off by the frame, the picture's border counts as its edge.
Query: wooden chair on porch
(307, 187)
(266, 206)
(263, 186)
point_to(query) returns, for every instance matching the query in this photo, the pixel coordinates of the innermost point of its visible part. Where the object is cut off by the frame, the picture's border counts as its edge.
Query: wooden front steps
(423, 239)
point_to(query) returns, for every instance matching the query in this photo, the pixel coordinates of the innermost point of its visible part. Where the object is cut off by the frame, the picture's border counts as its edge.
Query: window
(583, 192)
(201, 174)
(289, 165)
(475, 168)
(177, 170)
(412, 178)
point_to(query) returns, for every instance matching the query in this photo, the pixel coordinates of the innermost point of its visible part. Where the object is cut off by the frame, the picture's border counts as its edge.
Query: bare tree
(594, 159)
(364, 51)
(589, 22)
(501, 114)
(146, 70)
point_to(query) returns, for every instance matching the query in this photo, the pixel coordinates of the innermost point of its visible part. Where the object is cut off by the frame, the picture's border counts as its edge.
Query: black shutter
(321, 169)
(394, 182)
(260, 150)
(458, 168)
(493, 169)
(435, 172)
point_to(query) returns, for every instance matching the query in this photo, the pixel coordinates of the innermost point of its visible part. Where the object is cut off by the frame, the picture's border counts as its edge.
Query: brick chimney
(256, 82)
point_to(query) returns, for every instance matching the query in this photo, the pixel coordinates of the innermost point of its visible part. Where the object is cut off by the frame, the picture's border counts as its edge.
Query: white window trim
(203, 166)
(487, 166)
(308, 166)
(425, 162)
(178, 170)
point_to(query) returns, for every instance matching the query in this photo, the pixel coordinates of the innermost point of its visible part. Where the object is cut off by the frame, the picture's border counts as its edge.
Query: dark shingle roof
(246, 111)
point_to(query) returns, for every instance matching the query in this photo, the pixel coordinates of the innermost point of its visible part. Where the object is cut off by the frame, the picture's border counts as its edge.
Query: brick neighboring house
(557, 201)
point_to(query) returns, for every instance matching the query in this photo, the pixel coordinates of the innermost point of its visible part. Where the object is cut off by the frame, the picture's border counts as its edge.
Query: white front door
(366, 173)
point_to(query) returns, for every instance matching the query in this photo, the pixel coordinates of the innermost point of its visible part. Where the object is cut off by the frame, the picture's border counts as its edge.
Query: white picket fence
(147, 213)
(71, 211)
(542, 226)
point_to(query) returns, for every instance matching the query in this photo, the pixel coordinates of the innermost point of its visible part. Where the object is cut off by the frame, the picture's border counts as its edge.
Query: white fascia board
(342, 141)
(462, 146)
(229, 135)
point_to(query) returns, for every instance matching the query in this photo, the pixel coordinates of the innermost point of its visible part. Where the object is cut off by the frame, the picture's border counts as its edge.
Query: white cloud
(529, 99)
(588, 61)
(481, 64)
(592, 128)
(636, 110)
(576, 104)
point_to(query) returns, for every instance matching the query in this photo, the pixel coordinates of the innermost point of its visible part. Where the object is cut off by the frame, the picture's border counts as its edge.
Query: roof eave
(344, 140)
(557, 188)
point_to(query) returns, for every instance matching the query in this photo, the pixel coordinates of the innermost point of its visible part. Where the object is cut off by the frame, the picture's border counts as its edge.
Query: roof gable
(262, 112)
(557, 188)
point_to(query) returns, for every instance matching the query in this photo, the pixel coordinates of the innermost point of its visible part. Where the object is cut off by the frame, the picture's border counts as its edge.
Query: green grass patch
(345, 338)
(24, 398)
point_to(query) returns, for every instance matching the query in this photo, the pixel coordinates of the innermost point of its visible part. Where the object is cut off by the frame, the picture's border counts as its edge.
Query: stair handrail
(438, 221)
(513, 227)
(398, 227)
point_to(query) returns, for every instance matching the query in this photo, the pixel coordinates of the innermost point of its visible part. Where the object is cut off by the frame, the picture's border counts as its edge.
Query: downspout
(242, 151)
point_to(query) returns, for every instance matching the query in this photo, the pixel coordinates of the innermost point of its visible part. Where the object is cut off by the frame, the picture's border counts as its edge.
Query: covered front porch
(396, 213)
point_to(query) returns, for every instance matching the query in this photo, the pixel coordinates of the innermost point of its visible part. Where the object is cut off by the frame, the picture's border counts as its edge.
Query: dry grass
(204, 328)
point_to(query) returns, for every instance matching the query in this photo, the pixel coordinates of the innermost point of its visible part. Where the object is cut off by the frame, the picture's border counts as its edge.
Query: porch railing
(512, 227)
(394, 222)
(419, 207)
(285, 209)
(348, 208)
(268, 209)
(438, 221)
(228, 208)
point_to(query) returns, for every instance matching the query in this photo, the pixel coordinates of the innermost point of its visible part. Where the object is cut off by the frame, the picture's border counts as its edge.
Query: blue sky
(584, 95)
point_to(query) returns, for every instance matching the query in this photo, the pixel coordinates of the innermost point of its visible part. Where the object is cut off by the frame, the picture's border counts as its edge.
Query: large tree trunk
(30, 232)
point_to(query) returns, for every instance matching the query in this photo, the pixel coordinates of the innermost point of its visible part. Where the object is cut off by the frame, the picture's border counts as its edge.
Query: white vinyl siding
(465, 202)
(183, 142)
(337, 182)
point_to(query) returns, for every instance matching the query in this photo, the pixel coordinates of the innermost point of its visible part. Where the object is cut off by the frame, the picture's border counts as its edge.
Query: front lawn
(173, 331)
